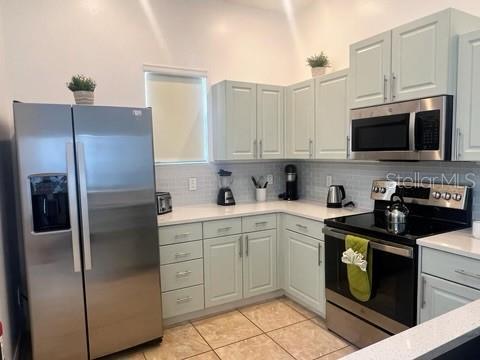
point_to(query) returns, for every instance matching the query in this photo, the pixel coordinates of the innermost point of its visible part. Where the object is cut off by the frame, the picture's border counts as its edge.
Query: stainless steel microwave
(410, 130)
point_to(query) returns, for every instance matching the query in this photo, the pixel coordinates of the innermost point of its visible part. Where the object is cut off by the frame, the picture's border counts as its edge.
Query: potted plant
(82, 88)
(319, 64)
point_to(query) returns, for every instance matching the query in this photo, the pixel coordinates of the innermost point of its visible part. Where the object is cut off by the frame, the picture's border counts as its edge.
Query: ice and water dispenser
(49, 202)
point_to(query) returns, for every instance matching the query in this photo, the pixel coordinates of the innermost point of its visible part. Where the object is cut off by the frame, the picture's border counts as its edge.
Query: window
(178, 99)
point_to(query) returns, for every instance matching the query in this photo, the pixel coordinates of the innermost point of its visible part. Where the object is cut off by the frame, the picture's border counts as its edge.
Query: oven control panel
(442, 195)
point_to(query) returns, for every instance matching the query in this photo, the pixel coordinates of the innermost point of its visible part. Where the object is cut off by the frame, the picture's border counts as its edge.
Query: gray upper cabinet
(370, 71)
(270, 121)
(331, 115)
(415, 60)
(248, 121)
(468, 95)
(300, 121)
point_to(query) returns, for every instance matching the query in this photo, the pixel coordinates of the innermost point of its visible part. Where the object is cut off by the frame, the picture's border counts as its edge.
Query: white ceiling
(277, 5)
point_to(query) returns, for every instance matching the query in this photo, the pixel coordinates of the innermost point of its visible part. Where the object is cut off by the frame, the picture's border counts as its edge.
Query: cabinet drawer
(179, 233)
(181, 275)
(174, 253)
(304, 226)
(225, 227)
(452, 267)
(259, 222)
(183, 301)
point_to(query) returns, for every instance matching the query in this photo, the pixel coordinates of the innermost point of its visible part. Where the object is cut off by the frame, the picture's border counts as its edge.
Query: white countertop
(427, 340)
(202, 212)
(459, 242)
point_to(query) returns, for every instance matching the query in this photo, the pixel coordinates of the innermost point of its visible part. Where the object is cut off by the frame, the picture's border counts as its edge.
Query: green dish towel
(360, 282)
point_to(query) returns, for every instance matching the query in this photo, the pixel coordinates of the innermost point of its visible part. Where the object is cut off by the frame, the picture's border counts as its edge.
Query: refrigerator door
(50, 231)
(119, 229)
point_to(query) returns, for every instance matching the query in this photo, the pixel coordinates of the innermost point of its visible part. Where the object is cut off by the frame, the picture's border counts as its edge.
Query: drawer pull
(224, 229)
(182, 254)
(177, 236)
(182, 274)
(466, 273)
(261, 223)
(184, 300)
(304, 227)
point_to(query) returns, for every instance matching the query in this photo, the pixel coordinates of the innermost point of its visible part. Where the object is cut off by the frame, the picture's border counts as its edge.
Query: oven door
(392, 305)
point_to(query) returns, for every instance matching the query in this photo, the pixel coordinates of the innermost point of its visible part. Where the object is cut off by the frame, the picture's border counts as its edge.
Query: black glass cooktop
(374, 224)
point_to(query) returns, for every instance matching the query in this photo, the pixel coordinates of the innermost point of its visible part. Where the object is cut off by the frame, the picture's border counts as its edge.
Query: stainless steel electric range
(392, 307)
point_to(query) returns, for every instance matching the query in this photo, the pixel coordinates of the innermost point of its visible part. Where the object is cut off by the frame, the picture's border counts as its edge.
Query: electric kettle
(335, 196)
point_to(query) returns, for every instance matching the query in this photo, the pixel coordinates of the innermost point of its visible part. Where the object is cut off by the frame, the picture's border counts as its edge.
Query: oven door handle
(375, 244)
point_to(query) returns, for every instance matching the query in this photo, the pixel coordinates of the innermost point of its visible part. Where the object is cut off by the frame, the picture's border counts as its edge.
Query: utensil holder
(261, 195)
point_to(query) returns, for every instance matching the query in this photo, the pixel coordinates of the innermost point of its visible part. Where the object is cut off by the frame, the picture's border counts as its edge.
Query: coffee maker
(225, 194)
(291, 188)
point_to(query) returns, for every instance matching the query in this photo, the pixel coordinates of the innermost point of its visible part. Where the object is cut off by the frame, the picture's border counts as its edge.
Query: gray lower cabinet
(305, 270)
(240, 266)
(447, 281)
(441, 296)
(223, 269)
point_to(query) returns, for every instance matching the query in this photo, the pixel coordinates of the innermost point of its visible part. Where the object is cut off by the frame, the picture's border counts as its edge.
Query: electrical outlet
(192, 184)
(269, 178)
(329, 180)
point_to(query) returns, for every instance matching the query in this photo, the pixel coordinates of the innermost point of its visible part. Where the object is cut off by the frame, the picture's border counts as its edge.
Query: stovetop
(374, 224)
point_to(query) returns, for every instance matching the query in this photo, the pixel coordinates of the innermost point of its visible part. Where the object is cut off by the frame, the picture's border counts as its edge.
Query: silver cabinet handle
(261, 223)
(246, 247)
(182, 254)
(224, 229)
(422, 295)
(459, 143)
(394, 84)
(302, 226)
(385, 84)
(310, 148)
(260, 152)
(255, 149)
(348, 147)
(240, 246)
(184, 300)
(319, 254)
(82, 182)
(181, 274)
(466, 273)
(72, 206)
(182, 235)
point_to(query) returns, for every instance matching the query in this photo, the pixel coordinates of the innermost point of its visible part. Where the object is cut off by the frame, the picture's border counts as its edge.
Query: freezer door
(50, 231)
(119, 229)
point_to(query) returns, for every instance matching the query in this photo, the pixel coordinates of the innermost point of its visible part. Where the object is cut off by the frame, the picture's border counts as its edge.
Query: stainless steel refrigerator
(88, 228)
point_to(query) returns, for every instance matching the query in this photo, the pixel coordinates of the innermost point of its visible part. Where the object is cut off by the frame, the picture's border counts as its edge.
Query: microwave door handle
(411, 131)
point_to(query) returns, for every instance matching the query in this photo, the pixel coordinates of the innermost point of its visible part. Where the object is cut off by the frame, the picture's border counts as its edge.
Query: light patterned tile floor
(277, 329)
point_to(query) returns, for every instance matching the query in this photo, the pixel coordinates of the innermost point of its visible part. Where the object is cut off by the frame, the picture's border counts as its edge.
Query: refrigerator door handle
(72, 207)
(82, 182)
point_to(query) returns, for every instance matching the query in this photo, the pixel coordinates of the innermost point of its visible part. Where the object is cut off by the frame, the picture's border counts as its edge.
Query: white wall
(47, 41)
(332, 25)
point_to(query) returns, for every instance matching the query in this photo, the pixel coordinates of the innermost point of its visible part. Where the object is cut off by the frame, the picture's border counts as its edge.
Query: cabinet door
(300, 123)
(305, 270)
(270, 121)
(260, 263)
(331, 116)
(420, 55)
(441, 296)
(223, 270)
(468, 95)
(241, 117)
(370, 71)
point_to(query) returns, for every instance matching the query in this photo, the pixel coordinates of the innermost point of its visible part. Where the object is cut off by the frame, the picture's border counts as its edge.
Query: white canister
(261, 194)
(476, 229)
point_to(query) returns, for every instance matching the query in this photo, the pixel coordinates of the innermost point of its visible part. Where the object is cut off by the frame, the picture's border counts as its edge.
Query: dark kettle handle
(400, 197)
(342, 190)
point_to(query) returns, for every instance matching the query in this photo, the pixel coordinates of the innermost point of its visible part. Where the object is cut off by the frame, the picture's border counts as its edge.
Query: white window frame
(183, 72)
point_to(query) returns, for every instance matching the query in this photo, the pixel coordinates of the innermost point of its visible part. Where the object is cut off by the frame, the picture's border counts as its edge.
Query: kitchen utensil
(335, 196)
(397, 212)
